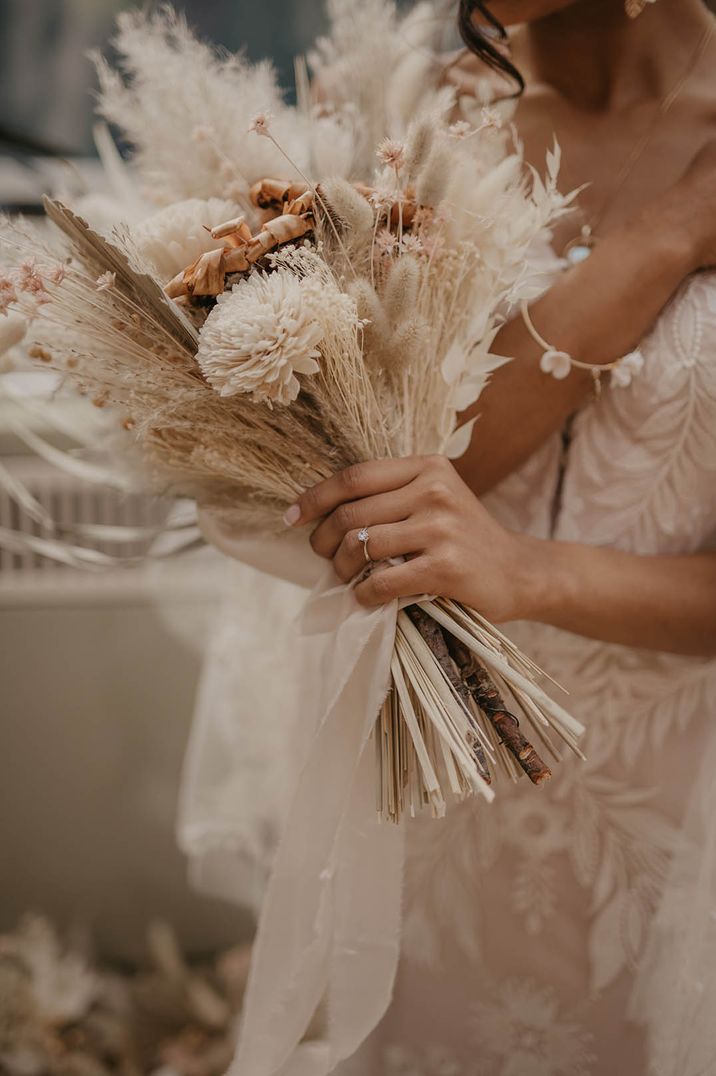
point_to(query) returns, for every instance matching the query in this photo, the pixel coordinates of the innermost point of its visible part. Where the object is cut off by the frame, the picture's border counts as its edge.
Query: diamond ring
(363, 537)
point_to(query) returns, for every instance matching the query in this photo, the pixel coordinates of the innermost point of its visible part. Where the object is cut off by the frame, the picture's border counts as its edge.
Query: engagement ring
(363, 537)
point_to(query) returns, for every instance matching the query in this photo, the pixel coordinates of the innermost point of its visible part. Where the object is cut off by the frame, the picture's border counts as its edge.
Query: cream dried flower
(461, 129)
(391, 153)
(106, 281)
(385, 241)
(258, 337)
(411, 244)
(177, 235)
(261, 124)
(491, 118)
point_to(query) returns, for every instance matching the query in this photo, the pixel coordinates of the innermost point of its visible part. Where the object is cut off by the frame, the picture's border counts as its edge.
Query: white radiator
(97, 690)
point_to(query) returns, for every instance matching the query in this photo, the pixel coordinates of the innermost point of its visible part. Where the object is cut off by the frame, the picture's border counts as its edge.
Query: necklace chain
(586, 238)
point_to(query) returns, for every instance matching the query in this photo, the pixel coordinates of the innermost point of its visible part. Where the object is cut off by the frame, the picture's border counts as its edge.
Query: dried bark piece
(487, 696)
(273, 193)
(433, 635)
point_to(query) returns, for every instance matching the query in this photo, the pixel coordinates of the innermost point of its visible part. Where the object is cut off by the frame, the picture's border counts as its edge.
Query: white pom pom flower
(258, 337)
(177, 235)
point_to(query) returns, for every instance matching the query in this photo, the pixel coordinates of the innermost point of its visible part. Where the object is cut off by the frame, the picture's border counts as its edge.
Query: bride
(568, 931)
(572, 932)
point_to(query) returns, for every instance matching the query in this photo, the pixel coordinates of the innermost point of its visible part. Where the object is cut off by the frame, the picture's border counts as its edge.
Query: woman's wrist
(545, 582)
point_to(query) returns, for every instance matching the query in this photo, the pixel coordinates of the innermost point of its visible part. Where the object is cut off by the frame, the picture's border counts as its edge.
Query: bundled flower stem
(436, 639)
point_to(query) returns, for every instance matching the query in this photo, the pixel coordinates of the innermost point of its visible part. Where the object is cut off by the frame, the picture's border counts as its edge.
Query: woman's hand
(418, 508)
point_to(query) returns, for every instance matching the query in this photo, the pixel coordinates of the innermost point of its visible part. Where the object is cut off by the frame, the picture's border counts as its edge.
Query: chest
(622, 161)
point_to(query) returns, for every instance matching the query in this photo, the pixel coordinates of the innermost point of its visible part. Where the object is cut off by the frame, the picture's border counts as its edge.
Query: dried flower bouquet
(261, 333)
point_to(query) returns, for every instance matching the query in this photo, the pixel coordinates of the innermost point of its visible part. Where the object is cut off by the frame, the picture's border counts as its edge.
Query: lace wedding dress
(530, 922)
(568, 930)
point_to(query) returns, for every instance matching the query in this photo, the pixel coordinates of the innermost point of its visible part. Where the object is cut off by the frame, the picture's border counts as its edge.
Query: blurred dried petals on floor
(64, 1014)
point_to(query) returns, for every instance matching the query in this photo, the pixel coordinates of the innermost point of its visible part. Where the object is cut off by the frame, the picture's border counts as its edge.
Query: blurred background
(99, 671)
(46, 81)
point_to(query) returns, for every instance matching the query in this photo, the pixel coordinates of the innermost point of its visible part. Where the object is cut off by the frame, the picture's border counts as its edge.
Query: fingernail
(292, 515)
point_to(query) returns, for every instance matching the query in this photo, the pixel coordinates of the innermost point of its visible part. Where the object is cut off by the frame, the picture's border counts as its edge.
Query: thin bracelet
(560, 363)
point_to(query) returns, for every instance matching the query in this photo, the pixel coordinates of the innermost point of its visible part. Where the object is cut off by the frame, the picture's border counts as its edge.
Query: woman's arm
(596, 312)
(655, 602)
(419, 508)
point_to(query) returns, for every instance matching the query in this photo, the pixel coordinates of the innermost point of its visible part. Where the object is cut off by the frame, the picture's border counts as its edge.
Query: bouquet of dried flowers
(272, 324)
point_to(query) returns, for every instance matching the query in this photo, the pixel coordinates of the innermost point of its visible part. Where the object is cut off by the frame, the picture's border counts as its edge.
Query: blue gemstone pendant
(578, 250)
(578, 253)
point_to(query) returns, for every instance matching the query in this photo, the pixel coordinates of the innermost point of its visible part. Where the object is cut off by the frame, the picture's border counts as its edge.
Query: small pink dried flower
(412, 244)
(460, 129)
(491, 118)
(385, 241)
(29, 280)
(391, 153)
(381, 197)
(106, 281)
(261, 123)
(56, 273)
(8, 294)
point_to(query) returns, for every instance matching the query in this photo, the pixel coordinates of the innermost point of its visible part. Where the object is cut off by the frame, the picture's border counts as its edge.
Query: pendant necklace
(581, 246)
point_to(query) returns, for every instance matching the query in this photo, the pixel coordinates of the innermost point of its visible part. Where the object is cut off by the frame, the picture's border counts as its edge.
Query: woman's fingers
(354, 483)
(386, 584)
(393, 507)
(390, 540)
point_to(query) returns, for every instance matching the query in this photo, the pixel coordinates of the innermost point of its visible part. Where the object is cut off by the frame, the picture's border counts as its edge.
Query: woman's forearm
(597, 312)
(656, 602)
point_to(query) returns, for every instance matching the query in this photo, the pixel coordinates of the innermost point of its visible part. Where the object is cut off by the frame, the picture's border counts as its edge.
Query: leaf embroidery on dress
(642, 462)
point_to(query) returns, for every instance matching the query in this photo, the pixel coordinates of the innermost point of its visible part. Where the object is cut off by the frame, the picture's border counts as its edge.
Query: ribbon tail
(368, 918)
(312, 920)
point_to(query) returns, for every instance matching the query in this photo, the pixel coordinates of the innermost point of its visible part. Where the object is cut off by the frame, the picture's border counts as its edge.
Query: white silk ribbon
(328, 938)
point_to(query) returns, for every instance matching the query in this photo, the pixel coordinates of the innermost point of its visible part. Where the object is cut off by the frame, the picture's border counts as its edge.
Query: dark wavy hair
(482, 43)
